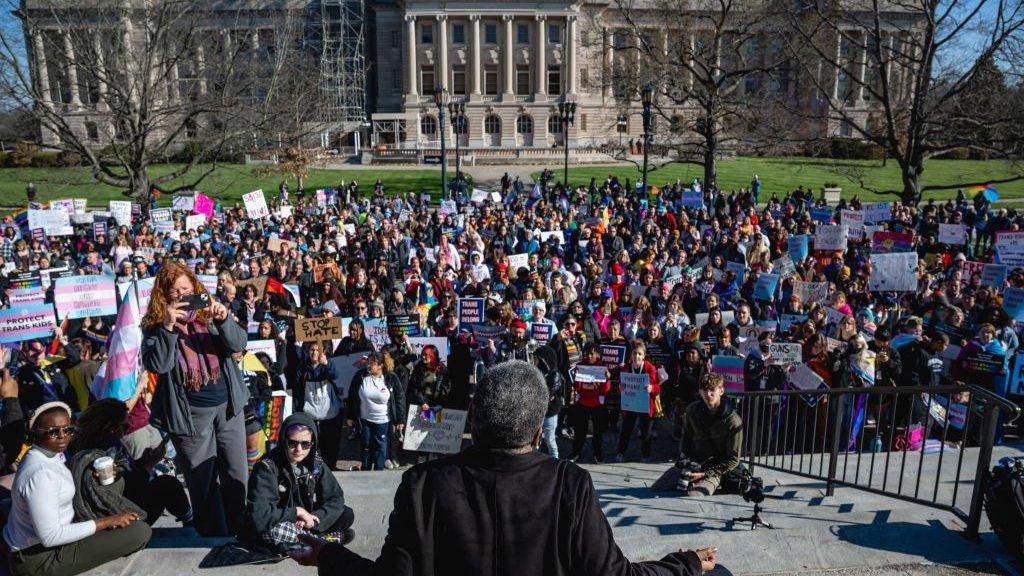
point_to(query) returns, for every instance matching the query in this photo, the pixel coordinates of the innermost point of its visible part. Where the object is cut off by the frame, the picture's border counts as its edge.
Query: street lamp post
(458, 114)
(647, 99)
(567, 116)
(441, 99)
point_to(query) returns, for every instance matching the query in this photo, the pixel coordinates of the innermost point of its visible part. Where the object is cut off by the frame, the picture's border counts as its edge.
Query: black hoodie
(275, 492)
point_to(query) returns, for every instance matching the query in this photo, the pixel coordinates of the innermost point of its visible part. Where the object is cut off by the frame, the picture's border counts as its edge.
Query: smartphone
(196, 301)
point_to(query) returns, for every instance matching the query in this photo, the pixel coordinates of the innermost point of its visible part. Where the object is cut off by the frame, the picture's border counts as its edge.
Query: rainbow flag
(118, 376)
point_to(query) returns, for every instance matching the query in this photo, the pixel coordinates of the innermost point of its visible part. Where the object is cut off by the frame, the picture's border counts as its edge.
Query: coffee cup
(104, 469)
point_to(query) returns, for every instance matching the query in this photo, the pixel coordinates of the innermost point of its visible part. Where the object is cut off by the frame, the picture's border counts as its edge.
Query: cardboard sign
(26, 323)
(275, 244)
(829, 237)
(433, 431)
(731, 369)
(255, 204)
(952, 233)
(634, 394)
(84, 296)
(316, 329)
(895, 272)
(785, 352)
(260, 283)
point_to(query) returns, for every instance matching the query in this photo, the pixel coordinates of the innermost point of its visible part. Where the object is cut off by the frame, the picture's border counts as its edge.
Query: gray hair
(509, 405)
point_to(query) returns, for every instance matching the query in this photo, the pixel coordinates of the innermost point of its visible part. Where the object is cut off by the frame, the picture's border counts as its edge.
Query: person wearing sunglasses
(292, 492)
(41, 537)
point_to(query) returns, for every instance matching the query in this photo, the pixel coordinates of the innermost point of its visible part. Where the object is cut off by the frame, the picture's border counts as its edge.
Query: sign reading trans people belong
(82, 296)
(26, 323)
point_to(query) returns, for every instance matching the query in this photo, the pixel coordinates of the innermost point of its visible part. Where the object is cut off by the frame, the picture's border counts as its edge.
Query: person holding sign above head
(200, 398)
(638, 364)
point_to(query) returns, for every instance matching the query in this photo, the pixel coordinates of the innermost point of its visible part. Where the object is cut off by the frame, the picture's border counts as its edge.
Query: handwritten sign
(809, 292)
(255, 204)
(785, 352)
(854, 220)
(895, 272)
(433, 431)
(517, 261)
(635, 397)
(121, 210)
(831, 237)
(51, 222)
(952, 233)
(875, 212)
(316, 329)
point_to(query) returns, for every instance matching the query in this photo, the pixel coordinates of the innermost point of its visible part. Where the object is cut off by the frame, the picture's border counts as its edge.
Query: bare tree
(127, 84)
(900, 73)
(716, 65)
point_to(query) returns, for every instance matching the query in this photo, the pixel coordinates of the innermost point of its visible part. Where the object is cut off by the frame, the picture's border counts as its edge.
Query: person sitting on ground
(712, 436)
(41, 537)
(488, 510)
(292, 491)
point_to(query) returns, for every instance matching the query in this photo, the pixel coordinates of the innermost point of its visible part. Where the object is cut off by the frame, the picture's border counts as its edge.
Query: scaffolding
(342, 65)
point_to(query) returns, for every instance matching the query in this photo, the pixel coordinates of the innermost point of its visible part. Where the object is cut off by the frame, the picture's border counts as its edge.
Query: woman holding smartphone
(200, 397)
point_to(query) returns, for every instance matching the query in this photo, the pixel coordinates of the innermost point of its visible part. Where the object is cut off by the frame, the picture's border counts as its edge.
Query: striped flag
(118, 376)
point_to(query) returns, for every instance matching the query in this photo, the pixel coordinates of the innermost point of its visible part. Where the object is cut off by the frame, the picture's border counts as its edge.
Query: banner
(952, 233)
(875, 212)
(831, 237)
(83, 296)
(764, 289)
(893, 272)
(470, 311)
(809, 292)
(796, 246)
(255, 204)
(316, 329)
(889, 242)
(731, 369)
(26, 323)
(634, 394)
(785, 352)
(417, 343)
(433, 431)
(99, 229)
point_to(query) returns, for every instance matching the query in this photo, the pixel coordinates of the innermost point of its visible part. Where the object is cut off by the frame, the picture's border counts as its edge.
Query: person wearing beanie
(515, 344)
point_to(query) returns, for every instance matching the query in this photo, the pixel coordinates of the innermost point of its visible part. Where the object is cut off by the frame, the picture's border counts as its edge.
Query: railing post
(754, 449)
(988, 435)
(836, 421)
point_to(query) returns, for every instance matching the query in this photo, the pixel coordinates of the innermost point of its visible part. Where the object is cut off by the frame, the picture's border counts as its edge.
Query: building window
(427, 80)
(396, 79)
(490, 33)
(522, 79)
(491, 80)
(458, 33)
(554, 79)
(92, 132)
(460, 125)
(396, 39)
(845, 130)
(524, 124)
(428, 126)
(427, 34)
(583, 122)
(554, 34)
(622, 124)
(554, 124)
(492, 124)
(523, 33)
(459, 80)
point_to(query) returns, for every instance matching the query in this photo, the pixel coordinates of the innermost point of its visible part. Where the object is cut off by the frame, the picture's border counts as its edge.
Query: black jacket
(419, 392)
(274, 492)
(486, 512)
(547, 363)
(396, 402)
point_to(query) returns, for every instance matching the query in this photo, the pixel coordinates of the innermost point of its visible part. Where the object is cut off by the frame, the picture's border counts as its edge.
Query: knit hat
(518, 323)
(44, 408)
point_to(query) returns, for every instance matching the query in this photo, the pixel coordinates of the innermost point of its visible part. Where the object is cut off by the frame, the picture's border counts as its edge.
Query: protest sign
(51, 222)
(895, 272)
(1013, 302)
(24, 296)
(376, 330)
(183, 202)
(270, 412)
(693, 199)
(590, 374)
(1010, 257)
(612, 355)
(542, 332)
(634, 394)
(194, 222)
(517, 261)
(121, 211)
(1008, 239)
(417, 343)
(275, 244)
(83, 296)
(764, 289)
(802, 377)
(345, 368)
(447, 208)
(809, 292)
(889, 242)
(875, 212)
(952, 233)
(31, 279)
(737, 268)
(1016, 384)
(785, 352)
(65, 204)
(316, 329)
(161, 215)
(255, 204)
(796, 246)
(268, 347)
(557, 234)
(731, 369)
(786, 321)
(831, 237)
(854, 220)
(940, 409)
(26, 323)
(80, 204)
(479, 196)
(408, 324)
(485, 334)
(784, 267)
(470, 311)
(821, 215)
(994, 275)
(982, 364)
(438, 432)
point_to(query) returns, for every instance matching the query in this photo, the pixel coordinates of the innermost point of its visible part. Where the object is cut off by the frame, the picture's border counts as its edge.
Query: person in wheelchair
(712, 436)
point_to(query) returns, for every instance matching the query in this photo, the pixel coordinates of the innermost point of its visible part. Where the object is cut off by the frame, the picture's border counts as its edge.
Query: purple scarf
(197, 352)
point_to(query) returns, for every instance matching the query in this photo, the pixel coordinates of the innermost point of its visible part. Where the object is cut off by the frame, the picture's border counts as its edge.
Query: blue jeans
(548, 438)
(374, 444)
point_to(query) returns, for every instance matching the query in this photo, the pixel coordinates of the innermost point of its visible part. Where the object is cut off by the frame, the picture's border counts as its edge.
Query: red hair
(431, 358)
(160, 298)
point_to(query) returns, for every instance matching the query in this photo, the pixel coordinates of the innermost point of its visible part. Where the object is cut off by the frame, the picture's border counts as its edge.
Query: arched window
(459, 125)
(676, 124)
(554, 124)
(428, 126)
(492, 124)
(524, 124)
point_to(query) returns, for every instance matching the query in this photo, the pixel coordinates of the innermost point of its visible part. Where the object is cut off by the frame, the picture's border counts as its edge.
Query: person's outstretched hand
(708, 559)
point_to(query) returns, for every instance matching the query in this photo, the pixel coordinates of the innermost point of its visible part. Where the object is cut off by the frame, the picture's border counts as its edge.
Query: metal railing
(867, 438)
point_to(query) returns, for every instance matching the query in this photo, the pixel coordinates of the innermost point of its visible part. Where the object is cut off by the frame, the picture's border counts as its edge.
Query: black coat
(485, 512)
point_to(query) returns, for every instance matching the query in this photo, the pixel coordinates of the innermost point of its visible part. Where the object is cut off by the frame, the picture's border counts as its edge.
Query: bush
(3, 158)
(853, 149)
(190, 150)
(21, 155)
(68, 159)
(962, 153)
(45, 160)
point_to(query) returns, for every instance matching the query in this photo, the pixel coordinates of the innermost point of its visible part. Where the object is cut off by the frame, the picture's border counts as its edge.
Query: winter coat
(712, 438)
(547, 363)
(420, 392)
(397, 406)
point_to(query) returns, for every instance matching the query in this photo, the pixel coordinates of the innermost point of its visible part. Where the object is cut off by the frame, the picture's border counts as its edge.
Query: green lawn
(783, 174)
(227, 183)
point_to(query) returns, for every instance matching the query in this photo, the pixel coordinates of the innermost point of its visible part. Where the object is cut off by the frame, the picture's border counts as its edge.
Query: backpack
(1004, 503)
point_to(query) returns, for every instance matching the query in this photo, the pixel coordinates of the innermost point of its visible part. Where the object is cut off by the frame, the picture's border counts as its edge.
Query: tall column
(693, 49)
(255, 39)
(411, 92)
(476, 60)
(508, 54)
(172, 82)
(201, 68)
(442, 60)
(609, 63)
(571, 51)
(863, 66)
(72, 70)
(541, 56)
(101, 71)
(839, 65)
(42, 73)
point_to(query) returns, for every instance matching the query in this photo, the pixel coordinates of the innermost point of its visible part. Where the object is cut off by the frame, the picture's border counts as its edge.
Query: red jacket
(652, 374)
(591, 394)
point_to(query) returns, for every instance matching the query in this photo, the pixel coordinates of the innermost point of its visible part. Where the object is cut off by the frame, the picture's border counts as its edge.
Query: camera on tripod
(685, 466)
(751, 487)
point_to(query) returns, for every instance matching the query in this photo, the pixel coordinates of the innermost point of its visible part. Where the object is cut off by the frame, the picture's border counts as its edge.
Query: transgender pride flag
(118, 376)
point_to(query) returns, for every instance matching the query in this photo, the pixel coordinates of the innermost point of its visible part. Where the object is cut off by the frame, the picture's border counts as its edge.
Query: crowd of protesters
(602, 279)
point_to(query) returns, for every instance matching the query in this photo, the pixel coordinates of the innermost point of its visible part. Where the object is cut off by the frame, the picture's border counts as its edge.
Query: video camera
(751, 487)
(685, 466)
